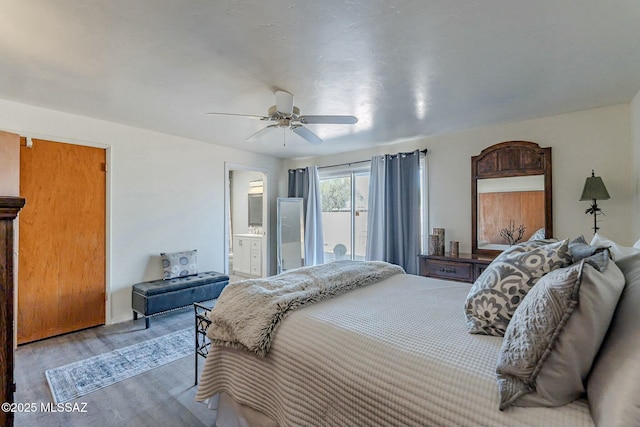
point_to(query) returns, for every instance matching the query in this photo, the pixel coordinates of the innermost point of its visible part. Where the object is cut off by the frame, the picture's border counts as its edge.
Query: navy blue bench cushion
(161, 286)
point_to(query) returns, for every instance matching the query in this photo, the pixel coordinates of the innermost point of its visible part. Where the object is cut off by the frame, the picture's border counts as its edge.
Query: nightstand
(463, 268)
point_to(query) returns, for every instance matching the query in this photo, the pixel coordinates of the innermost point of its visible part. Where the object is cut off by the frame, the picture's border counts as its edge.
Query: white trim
(107, 244)
(61, 139)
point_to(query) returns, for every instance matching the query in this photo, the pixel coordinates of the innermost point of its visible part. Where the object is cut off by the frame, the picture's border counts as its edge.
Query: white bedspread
(394, 353)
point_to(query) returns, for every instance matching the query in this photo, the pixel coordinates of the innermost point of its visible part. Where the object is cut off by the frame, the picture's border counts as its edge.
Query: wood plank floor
(160, 397)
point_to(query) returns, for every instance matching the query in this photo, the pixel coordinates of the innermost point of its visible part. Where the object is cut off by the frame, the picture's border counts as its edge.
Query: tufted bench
(157, 296)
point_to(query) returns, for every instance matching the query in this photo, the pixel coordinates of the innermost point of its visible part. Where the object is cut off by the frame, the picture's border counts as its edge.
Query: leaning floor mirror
(290, 233)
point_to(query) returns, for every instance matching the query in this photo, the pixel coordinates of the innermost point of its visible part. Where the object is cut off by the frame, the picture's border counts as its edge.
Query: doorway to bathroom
(247, 222)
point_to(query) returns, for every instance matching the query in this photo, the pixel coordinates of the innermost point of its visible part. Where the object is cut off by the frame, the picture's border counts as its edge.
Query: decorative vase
(434, 244)
(454, 248)
(440, 233)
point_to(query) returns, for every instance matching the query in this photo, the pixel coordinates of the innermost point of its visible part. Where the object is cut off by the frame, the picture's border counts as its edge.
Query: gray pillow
(555, 334)
(580, 249)
(495, 295)
(179, 264)
(613, 387)
(538, 235)
(599, 260)
(618, 252)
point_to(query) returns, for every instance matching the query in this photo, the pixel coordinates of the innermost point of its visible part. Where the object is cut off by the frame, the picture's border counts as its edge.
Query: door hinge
(105, 167)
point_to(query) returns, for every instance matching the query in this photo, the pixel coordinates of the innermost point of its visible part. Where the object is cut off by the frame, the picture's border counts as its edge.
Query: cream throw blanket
(247, 313)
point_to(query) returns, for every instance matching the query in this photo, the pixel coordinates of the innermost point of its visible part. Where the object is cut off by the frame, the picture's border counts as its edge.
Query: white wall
(635, 141)
(597, 139)
(166, 193)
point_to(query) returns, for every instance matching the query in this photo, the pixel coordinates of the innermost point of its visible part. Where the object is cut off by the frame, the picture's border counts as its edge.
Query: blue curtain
(299, 185)
(375, 247)
(394, 210)
(305, 183)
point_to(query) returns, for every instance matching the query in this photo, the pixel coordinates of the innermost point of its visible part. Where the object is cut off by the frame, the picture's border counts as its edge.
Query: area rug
(85, 376)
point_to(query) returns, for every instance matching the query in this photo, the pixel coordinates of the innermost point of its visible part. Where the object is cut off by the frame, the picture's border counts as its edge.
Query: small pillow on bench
(179, 264)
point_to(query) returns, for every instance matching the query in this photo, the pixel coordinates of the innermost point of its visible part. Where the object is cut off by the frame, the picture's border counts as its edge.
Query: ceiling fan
(286, 115)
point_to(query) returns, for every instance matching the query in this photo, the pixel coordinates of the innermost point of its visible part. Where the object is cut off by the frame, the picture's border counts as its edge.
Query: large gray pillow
(613, 388)
(555, 334)
(495, 295)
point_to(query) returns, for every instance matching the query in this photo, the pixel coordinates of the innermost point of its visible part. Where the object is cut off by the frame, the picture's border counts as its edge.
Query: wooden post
(9, 208)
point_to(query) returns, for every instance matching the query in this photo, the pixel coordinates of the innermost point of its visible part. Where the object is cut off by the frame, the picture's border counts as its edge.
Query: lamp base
(595, 211)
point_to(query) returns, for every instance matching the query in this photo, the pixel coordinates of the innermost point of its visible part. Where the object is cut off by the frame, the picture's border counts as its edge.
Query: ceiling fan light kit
(286, 115)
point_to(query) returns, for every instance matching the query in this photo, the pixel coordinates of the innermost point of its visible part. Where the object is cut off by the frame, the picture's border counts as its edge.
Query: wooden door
(61, 267)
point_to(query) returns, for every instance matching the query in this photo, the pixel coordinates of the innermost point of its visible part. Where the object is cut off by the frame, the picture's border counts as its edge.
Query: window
(344, 213)
(345, 199)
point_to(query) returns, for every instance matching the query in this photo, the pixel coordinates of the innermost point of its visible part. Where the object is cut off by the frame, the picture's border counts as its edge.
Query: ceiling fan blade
(284, 102)
(307, 134)
(337, 120)
(249, 116)
(260, 133)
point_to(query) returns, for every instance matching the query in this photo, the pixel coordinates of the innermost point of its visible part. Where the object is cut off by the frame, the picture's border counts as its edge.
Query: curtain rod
(344, 164)
(365, 161)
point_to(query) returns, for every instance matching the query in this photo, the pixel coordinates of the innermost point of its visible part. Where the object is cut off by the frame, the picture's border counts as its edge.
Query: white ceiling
(406, 69)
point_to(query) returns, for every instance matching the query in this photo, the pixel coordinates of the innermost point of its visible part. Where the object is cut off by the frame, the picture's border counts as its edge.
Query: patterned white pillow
(495, 295)
(179, 264)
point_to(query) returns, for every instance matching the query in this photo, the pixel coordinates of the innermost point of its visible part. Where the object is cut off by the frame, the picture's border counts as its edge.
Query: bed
(393, 353)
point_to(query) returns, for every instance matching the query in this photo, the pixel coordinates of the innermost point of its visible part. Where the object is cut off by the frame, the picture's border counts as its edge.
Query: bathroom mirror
(511, 193)
(255, 210)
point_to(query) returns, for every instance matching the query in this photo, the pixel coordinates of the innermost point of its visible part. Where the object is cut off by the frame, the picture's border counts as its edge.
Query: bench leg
(146, 319)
